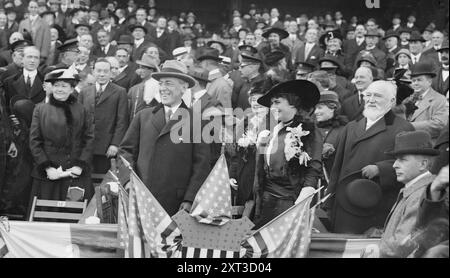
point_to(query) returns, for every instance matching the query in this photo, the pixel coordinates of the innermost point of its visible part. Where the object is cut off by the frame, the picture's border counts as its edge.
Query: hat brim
(390, 36)
(335, 63)
(83, 25)
(283, 34)
(132, 28)
(139, 62)
(306, 90)
(218, 42)
(248, 57)
(442, 49)
(51, 80)
(432, 74)
(188, 79)
(424, 151)
(208, 57)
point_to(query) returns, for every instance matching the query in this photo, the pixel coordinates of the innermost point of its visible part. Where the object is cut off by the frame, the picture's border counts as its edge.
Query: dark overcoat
(173, 170)
(128, 77)
(110, 115)
(58, 139)
(15, 85)
(356, 149)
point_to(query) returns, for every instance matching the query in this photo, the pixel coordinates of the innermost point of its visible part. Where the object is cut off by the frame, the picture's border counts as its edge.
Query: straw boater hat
(175, 69)
(305, 90)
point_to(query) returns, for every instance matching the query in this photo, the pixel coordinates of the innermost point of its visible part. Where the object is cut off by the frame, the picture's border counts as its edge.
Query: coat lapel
(424, 104)
(122, 75)
(37, 87)
(106, 94)
(168, 126)
(378, 127)
(158, 119)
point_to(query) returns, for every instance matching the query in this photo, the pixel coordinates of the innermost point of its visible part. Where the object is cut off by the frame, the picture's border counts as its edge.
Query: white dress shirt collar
(370, 123)
(98, 86)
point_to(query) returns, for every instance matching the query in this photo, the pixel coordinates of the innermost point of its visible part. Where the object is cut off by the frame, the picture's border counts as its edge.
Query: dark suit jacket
(440, 85)
(351, 50)
(97, 51)
(314, 55)
(15, 85)
(379, 56)
(172, 171)
(352, 108)
(128, 78)
(110, 115)
(136, 53)
(163, 41)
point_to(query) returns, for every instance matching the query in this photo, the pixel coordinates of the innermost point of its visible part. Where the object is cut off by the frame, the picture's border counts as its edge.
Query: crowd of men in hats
(83, 85)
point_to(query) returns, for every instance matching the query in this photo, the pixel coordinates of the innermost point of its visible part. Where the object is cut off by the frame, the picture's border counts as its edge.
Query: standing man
(108, 106)
(140, 43)
(104, 48)
(360, 155)
(37, 28)
(440, 83)
(311, 52)
(127, 76)
(416, 45)
(160, 35)
(293, 41)
(173, 169)
(432, 108)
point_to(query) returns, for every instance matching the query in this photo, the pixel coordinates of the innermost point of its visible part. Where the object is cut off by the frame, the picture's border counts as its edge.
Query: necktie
(361, 100)
(104, 49)
(307, 50)
(29, 81)
(415, 60)
(98, 94)
(168, 115)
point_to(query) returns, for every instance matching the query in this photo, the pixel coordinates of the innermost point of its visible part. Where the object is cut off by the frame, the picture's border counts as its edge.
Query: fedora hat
(423, 68)
(413, 142)
(416, 37)
(359, 196)
(137, 26)
(61, 75)
(148, 62)
(282, 33)
(306, 90)
(404, 30)
(391, 33)
(199, 74)
(175, 69)
(125, 39)
(69, 45)
(444, 46)
(207, 53)
(368, 58)
(22, 107)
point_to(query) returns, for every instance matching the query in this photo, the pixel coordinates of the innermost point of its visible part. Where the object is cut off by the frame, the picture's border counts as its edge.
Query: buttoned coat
(313, 57)
(431, 114)
(128, 77)
(402, 219)
(173, 169)
(356, 149)
(110, 115)
(352, 108)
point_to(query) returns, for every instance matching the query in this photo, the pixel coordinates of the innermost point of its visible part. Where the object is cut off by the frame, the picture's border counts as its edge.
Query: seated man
(414, 158)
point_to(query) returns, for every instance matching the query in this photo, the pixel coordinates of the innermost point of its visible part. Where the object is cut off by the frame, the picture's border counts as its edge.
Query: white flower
(249, 138)
(293, 145)
(263, 137)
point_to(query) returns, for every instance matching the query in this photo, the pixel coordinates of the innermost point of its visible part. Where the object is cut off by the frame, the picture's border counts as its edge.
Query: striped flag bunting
(287, 236)
(212, 204)
(151, 231)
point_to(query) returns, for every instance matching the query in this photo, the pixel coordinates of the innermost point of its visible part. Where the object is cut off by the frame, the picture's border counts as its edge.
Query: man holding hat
(37, 28)
(440, 82)
(359, 154)
(172, 167)
(414, 155)
(432, 108)
(371, 39)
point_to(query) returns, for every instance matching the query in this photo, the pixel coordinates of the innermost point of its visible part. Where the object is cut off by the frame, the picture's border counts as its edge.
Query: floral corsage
(294, 146)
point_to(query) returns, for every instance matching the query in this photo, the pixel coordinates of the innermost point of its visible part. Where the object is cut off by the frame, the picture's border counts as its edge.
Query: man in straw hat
(414, 154)
(359, 150)
(173, 167)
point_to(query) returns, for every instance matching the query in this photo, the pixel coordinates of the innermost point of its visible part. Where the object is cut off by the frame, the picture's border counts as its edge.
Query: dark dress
(279, 182)
(61, 134)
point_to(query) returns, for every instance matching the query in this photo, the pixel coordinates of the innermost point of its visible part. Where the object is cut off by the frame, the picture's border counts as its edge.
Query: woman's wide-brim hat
(304, 89)
(175, 69)
(357, 195)
(282, 33)
(413, 142)
(62, 75)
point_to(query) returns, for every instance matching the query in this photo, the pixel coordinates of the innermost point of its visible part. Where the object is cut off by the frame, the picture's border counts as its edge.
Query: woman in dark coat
(61, 138)
(281, 171)
(243, 151)
(329, 124)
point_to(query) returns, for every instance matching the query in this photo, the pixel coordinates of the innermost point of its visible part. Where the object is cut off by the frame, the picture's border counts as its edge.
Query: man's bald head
(363, 78)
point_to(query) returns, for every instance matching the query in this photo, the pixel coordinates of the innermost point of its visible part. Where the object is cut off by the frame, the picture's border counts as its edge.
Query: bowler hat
(175, 69)
(224, 47)
(416, 37)
(372, 33)
(391, 33)
(22, 107)
(189, 37)
(137, 26)
(273, 58)
(357, 195)
(405, 30)
(413, 142)
(444, 46)
(207, 53)
(304, 89)
(423, 68)
(282, 33)
(125, 39)
(147, 62)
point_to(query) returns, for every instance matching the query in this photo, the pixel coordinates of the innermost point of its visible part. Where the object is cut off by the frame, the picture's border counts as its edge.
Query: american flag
(287, 236)
(151, 231)
(212, 204)
(122, 221)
